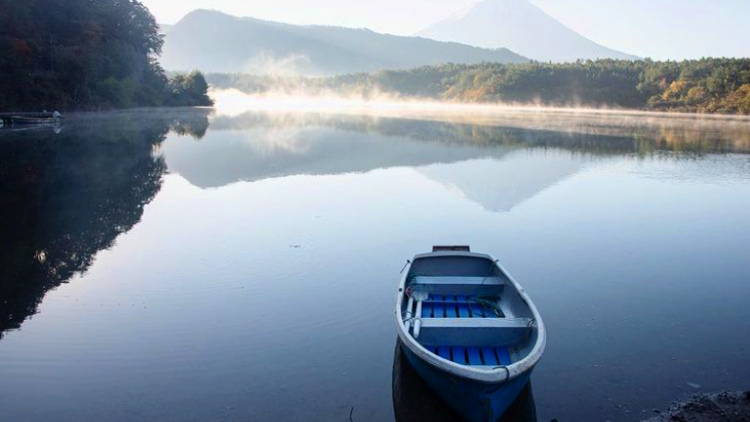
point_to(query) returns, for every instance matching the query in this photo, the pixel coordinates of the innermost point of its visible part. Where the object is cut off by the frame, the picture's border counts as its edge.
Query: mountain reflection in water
(181, 231)
(456, 154)
(68, 195)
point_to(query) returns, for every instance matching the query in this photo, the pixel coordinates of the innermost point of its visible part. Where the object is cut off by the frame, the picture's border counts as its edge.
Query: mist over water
(239, 264)
(689, 130)
(234, 102)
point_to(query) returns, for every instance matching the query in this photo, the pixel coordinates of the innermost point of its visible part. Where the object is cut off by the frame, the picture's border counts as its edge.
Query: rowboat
(25, 119)
(468, 329)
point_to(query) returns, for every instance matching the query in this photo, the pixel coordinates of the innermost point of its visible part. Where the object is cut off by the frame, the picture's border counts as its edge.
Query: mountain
(521, 27)
(215, 42)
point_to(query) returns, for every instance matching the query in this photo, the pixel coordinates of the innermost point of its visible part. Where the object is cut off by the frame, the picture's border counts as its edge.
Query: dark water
(181, 266)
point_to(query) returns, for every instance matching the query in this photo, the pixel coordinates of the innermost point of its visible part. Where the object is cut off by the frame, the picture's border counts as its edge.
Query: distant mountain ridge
(521, 27)
(212, 41)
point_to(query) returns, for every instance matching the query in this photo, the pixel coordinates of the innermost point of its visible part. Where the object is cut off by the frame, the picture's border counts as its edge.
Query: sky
(660, 29)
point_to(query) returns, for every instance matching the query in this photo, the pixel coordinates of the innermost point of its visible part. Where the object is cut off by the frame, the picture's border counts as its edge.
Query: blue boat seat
(473, 356)
(438, 306)
(459, 285)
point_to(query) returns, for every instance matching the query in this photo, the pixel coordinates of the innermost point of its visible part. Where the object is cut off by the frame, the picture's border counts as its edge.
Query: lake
(187, 265)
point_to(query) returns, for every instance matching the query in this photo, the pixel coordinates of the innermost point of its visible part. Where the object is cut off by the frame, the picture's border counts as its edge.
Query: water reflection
(180, 318)
(497, 164)
(69, 193)
(601, 133)
(414, 401)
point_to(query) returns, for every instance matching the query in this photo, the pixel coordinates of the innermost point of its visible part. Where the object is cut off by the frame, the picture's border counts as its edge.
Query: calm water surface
(192, 266)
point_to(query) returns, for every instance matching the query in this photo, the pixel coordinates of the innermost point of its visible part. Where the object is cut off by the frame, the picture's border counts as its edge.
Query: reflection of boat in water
(468, 329)
(414, 401)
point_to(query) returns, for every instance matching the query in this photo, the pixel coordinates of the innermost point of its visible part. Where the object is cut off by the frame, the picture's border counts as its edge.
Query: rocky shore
(725, 406)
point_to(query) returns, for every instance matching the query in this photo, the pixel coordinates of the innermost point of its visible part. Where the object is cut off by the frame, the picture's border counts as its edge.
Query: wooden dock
(15, 119)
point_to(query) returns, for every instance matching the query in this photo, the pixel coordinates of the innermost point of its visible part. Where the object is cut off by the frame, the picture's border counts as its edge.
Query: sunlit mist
(233, 102)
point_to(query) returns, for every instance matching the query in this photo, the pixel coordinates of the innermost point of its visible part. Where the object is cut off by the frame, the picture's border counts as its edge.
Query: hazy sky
(649, 28)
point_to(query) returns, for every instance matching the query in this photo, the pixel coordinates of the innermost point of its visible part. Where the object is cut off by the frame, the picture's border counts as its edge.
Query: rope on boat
(489, 302)
(489, 271)
(507, 377)
(405, 265)
(531, 322)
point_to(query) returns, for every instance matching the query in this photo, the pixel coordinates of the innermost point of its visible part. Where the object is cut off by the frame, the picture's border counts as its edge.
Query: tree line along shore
(712, 85)
(102, 54)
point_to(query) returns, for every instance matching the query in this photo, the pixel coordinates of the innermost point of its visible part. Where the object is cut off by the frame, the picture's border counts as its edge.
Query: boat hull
(473, 401)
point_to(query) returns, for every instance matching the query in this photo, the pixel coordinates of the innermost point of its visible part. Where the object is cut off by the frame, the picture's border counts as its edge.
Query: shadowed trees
(80, 54)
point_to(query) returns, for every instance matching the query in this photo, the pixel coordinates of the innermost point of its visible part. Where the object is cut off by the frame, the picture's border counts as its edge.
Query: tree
(80, 54)
(190, 90)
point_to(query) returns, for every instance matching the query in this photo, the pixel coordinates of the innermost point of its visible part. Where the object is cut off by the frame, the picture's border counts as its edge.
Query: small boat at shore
(469, 330)
(26, 119)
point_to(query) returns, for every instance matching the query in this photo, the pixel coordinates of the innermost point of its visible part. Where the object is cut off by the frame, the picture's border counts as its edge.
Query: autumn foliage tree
(703, 86)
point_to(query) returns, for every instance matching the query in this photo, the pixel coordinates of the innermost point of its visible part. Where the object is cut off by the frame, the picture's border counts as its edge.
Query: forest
(86, 55)
(702, 86)
(103, 54)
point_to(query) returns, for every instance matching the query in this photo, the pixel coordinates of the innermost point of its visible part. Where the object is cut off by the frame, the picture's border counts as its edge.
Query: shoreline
(233, 98)
(722, 406)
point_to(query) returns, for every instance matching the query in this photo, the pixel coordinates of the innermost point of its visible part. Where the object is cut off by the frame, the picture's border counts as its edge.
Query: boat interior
(464, 309)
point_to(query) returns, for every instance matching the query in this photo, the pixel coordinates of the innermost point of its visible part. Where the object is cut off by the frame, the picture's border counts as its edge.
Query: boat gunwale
(500, 374)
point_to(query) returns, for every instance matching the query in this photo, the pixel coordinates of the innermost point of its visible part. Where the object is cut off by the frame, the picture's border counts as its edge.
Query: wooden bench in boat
(459, 285)
(461, 280)
(475, 342)
(491, 332)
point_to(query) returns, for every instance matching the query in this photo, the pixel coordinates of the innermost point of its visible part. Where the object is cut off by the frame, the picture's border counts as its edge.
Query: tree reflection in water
(66, 196)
